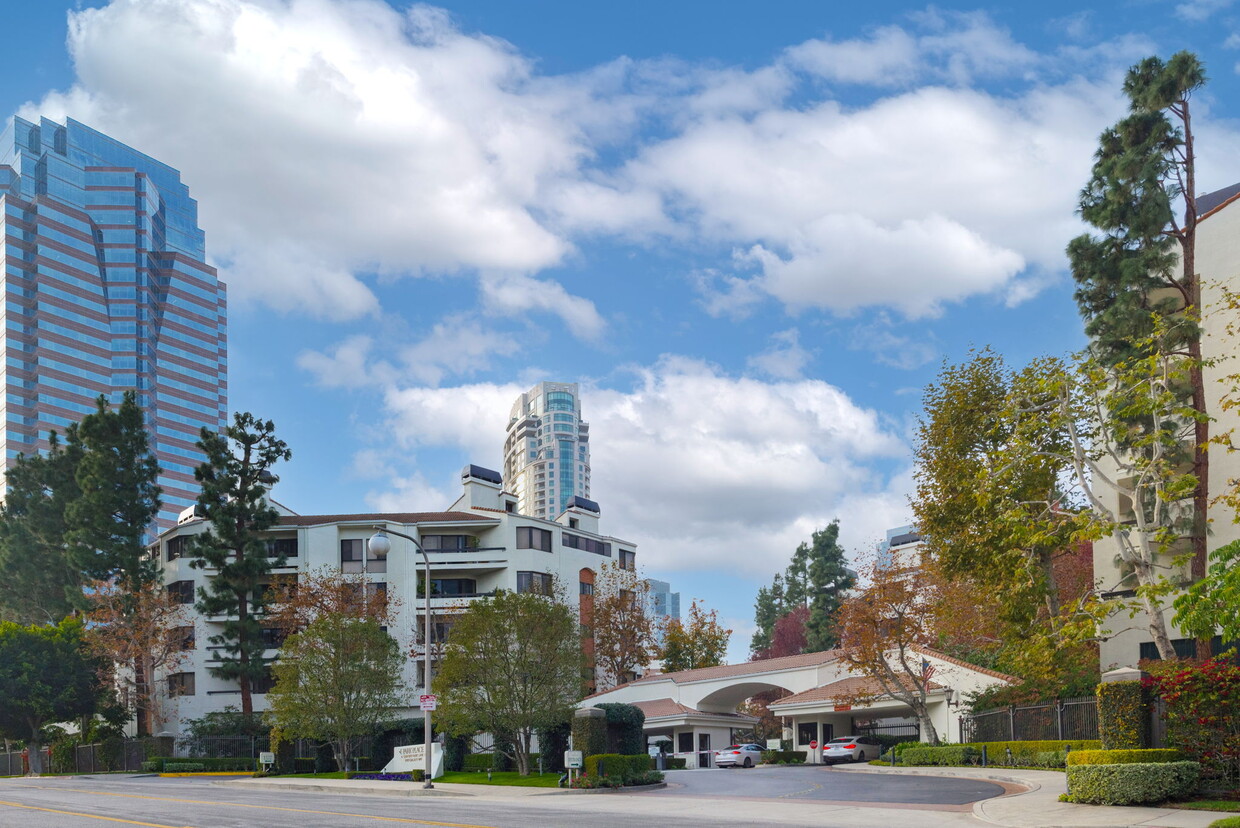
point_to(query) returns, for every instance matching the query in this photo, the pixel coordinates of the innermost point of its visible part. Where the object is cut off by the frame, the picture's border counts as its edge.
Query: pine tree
(39, 583)
(829, 579)
(119, 497)
(765, 616)
(1142, 268)
(796, 579)
(233, 501)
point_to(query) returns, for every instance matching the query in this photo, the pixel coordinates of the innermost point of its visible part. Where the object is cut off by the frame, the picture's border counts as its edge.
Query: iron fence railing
(1061, 719)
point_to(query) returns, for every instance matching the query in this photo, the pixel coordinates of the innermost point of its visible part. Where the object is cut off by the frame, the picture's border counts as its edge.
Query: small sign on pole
(813, 745)
(572, 759)
(266, 758)
(428, 701)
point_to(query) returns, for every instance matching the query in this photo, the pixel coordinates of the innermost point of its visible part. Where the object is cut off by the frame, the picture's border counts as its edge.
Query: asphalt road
(789, 796)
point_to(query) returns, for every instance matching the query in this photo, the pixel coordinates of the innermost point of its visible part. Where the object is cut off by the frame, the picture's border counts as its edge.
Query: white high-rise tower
(547, 450)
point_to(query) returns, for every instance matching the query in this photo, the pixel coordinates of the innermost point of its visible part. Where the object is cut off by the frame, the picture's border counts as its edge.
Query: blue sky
(752, 231)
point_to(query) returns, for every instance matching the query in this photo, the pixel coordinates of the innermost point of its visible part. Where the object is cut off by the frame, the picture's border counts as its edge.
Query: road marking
(816, 787)
(87, 816)
(240, 805)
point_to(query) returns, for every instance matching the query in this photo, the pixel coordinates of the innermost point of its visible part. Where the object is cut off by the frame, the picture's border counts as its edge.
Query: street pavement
(847, 796)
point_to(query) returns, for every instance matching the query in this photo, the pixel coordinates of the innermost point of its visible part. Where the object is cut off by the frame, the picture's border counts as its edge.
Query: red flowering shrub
(1203, 715)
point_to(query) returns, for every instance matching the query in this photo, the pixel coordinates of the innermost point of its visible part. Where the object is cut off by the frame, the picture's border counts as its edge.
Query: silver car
(743, 756)
(851, 749)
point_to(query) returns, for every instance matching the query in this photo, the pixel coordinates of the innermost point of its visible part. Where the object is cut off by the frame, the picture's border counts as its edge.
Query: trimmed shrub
(161, 764)
(151, 767)
(1125, 757)
(650, 777)
(784, 757)
(552, 742)
(941, 755)
(674, 762)
(617, 765)
(1132, 784)
(500, 760)
(625, 728)
(455, 749)
(1123, 719)
(478, 762)
(1203, 715)
(590, 734)
(184, 767)
(1027, 753)
(1047, 759)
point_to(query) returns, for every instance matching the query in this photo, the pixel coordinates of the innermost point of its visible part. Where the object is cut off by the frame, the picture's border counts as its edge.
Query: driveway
(821, 782)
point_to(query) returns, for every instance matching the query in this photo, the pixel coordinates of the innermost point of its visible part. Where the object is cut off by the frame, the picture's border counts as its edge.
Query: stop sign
(813, 745)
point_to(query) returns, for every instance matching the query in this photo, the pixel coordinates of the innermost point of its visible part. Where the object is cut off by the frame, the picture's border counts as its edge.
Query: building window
(448, 543)
(530, 538)
(263, 684)
(573, 523)
(684, 742)
(538, 582)
(807, 732)
(451, 586)
(181, 684)
(273, 638)
(587, 589)
(177, 547)
(181, 592)
(282, 548)
(352, 554)
(184, 636)
(628, 559)
(587, 544)
(510, 506)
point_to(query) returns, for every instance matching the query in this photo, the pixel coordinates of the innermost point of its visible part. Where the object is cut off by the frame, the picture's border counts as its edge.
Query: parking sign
(428, 701)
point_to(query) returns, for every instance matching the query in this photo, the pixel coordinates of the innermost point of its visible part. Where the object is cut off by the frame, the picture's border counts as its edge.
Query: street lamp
(381, 544)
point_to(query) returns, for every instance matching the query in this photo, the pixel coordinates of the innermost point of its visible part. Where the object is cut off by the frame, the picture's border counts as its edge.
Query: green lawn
(547, 780)
(1227, 822)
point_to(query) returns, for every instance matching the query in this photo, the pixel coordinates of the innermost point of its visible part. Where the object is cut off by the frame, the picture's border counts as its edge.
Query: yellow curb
(211, 773)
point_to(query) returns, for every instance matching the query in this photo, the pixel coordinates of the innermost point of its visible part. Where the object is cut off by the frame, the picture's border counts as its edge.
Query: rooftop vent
(583, 503)
(488, 475)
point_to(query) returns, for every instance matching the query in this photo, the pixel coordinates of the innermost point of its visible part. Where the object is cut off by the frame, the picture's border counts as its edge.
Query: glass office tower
(106, 290)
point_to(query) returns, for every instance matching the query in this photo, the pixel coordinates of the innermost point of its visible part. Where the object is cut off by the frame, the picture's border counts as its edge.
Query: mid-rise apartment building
(479, 544)
(106, 290)
(547, 450)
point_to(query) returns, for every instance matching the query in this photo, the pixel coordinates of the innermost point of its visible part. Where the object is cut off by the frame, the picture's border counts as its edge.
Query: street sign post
(572, 759)
(813, 745)
(428, 701)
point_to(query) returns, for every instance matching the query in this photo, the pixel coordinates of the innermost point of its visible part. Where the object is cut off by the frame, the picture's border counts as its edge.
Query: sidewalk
(1039, 806)
(370, 787)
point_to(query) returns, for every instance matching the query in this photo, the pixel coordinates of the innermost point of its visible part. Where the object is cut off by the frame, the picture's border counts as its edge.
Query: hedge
(618, 765)
(941, 755)
(674, 762)
(590, 734)
(1132, 784)
(1123, 720)
(161, 764)
(184, 767)
(478, 761)
(784, 757)
(625, 728)
(1125, 757)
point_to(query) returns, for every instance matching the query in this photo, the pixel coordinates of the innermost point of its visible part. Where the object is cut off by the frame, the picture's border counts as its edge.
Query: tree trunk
(1157, 623)
(34, 753)
(928, 732)
(243, 656)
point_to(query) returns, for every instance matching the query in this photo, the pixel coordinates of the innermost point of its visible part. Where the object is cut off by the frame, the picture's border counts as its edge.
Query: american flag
(927, 670)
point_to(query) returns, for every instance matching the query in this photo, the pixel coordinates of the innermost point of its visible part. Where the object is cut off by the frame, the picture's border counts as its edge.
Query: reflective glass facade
(547, 450)
(106, 290)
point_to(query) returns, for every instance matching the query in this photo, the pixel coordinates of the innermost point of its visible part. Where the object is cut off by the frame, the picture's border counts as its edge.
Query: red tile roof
(768, 665)
(662, 708)
(961, 663)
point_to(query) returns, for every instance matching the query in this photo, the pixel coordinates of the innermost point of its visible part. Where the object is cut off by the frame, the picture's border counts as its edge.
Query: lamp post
(381, 544)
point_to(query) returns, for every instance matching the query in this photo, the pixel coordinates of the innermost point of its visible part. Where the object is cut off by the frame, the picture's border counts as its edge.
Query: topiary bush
(941, 755)
(552, 742)
(590, 734)
(1132, 784)
(617, 765)
(1125, 757)
(1123, 716)
(625, 728)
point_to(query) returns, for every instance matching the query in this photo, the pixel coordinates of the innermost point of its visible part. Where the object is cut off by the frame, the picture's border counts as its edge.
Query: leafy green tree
(119, 498)
(829, 579)
(512, 665)
(39, 584)
(336, 681)
(1140, 270)
(46, 676)
(235, 480)
(702, 642)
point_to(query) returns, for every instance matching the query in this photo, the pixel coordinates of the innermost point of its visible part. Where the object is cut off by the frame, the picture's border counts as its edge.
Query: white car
(851, 749)
(744, 756)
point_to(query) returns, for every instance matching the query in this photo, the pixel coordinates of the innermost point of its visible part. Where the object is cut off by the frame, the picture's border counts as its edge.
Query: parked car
(851, 749)
(745, 756)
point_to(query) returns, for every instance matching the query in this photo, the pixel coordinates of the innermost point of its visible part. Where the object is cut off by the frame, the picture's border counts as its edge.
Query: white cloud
(705, 471)
(517, 295)
(877, 335)
(323, 139)
(785, 358)
(1198, 11)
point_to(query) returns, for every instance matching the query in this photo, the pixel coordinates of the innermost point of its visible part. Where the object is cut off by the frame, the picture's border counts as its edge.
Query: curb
(347, 791)
(630, 789)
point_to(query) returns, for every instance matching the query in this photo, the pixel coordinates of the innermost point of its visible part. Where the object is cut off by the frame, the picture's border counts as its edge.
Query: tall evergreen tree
(765, 615)
(1142, 266)
(829, 579)
(119, 497)
(796, 579)
(234, 502)
(39, 583)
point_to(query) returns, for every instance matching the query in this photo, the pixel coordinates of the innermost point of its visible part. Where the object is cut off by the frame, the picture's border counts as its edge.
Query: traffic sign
(813, 745)
(428, 701)
(572, 759)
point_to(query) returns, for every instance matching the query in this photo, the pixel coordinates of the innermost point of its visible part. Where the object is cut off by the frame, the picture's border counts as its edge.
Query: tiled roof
(848, 688)
(960, 663)
(1210, 202)
(768, 665)
(661, 708)
(389, 517)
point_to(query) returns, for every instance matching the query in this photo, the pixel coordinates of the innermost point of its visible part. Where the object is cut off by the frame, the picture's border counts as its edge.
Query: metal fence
(1062, 719)
(899, 732)
(11, 764)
